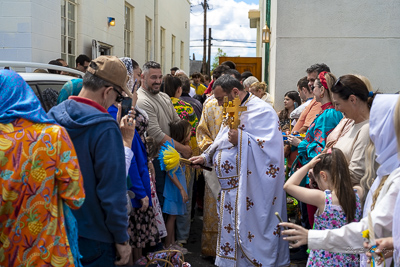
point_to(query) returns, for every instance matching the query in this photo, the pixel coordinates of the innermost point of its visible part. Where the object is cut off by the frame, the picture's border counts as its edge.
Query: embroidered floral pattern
(260, 143)
(257, 263)
(226, 166)
(277, 231)
(228, 228)
(229, 207)
(250, 236)
(249, 203)
(272, 171)
(233, 182)
(226, 249)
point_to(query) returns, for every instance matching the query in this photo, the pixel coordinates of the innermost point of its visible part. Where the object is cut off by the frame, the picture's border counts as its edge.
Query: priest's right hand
(296, 235)
(197, 161)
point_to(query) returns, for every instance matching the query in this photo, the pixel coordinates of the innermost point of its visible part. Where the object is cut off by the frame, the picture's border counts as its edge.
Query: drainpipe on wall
(268, 22)
(155, 47)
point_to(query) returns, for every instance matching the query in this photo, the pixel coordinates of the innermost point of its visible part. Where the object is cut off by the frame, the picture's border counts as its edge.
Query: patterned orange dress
(38, 170)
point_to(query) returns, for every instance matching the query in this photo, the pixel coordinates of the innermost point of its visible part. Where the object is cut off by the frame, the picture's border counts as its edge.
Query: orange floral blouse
(38, 170)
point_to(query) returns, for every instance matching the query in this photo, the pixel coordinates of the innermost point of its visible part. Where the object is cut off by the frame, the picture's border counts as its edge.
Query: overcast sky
(228, 20)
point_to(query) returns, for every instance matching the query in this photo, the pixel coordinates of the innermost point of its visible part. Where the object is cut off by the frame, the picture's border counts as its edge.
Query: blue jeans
(95, 253)
(183, 221)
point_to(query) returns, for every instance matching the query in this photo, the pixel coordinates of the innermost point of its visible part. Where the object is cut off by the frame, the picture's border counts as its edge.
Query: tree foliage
(220, 53)
(215, 63)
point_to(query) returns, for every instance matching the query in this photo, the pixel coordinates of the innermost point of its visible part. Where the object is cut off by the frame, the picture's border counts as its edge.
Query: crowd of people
(87, 184)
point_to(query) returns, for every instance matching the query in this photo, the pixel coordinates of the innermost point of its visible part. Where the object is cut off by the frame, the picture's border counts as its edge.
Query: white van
(41, 81)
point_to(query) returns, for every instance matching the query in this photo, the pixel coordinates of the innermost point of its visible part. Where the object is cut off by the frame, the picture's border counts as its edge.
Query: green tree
(215, 63)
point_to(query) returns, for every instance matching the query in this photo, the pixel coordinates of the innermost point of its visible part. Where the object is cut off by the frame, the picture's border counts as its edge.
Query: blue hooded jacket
(138, 171)
(99, 147)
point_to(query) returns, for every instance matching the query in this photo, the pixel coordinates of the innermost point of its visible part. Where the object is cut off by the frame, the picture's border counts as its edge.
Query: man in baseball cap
(111, 69)
(102, 219)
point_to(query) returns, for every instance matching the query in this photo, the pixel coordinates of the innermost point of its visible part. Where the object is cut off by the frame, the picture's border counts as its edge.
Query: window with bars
(162, 49)
(173, 51)
(182, 55)
(68, 31)
(148, 39)
(128, 30)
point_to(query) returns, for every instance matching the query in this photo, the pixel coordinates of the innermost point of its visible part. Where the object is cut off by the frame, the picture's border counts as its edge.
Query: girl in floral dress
(338, 204)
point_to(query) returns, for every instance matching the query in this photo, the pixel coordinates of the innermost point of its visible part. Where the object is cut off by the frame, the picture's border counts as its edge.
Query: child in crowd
(338, 203)
(197, 85)
(175, 189)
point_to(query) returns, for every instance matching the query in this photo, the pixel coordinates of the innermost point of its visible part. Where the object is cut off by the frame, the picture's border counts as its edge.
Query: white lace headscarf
(396, 216)
(381, 131)
(129, 67)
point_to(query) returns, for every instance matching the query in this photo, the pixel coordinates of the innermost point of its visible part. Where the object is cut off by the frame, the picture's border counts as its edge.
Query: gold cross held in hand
(233, 110)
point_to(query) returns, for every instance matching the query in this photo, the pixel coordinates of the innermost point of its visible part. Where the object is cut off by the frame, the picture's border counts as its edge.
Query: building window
(173, 51)
(162, 49)
(182, 55)
(68, 31)
(128, 30)
(148, 39)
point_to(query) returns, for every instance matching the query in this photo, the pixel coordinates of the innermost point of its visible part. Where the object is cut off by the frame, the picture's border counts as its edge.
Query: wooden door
(252, 64)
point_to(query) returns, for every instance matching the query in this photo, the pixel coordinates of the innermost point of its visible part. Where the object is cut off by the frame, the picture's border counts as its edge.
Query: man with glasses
(161, 112)
(102, 219)
(313, 108)
(82, 62)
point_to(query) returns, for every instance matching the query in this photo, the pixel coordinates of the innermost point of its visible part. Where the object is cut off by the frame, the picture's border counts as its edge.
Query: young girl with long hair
(175, 189)
(338, 202)
(291, 101)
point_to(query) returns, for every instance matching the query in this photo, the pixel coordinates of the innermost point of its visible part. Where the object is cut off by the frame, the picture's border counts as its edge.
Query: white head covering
(129, 68)
(396, 232)
(396, 224)
(381, 131)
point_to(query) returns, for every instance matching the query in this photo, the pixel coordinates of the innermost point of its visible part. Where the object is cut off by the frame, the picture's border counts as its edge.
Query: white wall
(92, 23)
(174, 17)
(360, 36)
(30, 30)
(176, 21)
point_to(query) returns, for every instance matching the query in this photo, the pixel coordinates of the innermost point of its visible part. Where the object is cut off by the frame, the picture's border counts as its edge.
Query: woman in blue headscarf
(70, 88)
(40, 181)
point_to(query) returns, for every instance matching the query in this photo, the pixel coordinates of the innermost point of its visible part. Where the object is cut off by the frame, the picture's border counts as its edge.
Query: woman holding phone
(146, 225)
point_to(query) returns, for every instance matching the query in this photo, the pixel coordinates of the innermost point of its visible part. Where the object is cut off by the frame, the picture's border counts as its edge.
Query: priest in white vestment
(249, 164)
